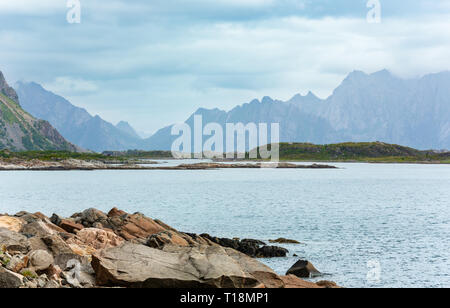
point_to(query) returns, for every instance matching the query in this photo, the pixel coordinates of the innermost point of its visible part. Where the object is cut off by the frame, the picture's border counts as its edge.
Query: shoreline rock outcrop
(118, 249)
(76, 164)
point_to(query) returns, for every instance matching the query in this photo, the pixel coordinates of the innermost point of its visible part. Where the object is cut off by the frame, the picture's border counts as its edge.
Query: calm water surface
(394, 216)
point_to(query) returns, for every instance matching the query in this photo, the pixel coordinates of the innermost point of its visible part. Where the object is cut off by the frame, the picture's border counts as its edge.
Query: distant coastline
(369, 152)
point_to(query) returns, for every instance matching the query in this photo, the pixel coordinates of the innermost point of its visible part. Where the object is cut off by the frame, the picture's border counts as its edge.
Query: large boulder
(40, 260)
(38, 229)
(11, 223)
(135, 227)
(13, 241)
(9, 279)
(56, 245)
(92, 216)
(303, 269)
(131, 227)
(134, 265)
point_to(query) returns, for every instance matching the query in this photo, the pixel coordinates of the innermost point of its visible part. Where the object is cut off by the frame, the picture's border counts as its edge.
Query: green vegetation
(52, 155)
(63, 155)
(28, 274)
(6, 113)
(140, 154)
(376, 152)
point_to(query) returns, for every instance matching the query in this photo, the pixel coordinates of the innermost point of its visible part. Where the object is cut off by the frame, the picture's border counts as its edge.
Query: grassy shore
(373, 152)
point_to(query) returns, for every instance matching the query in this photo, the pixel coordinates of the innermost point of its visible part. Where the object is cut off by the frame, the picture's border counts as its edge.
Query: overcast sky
(154, 62)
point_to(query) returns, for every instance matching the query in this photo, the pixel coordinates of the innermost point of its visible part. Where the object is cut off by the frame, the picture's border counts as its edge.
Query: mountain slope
(127, 128)
(75, 123)
(375, 107)
(20, 131)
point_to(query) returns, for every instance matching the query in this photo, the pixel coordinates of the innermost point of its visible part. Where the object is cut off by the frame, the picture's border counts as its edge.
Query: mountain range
(75, 123)
(20, 131)
(364, 107)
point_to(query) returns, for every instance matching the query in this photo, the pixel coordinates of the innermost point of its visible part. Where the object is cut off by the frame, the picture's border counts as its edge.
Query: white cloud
(33, 7)
(71, 86)
(156, 69)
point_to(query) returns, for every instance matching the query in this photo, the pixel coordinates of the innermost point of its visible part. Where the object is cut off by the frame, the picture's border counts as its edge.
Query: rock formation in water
(117, 249)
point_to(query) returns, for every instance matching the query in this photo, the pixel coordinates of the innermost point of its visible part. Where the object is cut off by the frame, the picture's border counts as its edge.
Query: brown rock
(328, 284)
(159, 240)
(70, 226)
(134, 227)
(96, 238)
(54, 272)
(284, 241)
(11, 223)
(82, 250)
(116, 212)
(17, 263)
(293, 282)
(41, 216)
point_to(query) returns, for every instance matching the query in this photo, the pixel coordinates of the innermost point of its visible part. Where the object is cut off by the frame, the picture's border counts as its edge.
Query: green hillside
(365, 151)
(19, 131)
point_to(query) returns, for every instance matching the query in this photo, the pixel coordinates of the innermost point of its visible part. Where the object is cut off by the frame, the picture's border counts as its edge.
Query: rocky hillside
(20, 131)
(74, 123)
(117, 249)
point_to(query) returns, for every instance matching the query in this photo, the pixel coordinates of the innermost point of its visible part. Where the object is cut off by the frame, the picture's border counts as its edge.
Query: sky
(154, 62)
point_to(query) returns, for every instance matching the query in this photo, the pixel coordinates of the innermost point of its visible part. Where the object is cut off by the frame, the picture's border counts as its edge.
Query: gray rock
(93, 216)
(133, 265)
(303, 269)
(40, 260)
(55, 219)
(51, 285)
(65, 260)
(9, 280)
(14, 241)
(37, 228)
(56, 245)
(31, 285)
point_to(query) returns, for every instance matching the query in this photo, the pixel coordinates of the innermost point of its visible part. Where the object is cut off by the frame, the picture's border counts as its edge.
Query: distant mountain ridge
(19, 131)
(75, 123)
(127, 128)
(364, 107)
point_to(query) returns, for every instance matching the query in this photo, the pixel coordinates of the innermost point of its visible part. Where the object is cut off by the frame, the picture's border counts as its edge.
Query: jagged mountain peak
(364, 107)
(127, 128)
(21, 131)
(267, 100)
(6, 90)
(75, 123)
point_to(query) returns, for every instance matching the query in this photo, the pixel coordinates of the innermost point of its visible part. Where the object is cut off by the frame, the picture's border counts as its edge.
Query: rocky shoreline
(74, 164)
(93, 249)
